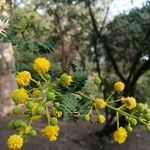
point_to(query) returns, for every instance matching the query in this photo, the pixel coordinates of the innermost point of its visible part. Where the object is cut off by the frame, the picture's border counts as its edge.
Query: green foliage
(4, 21)
(143, 88)
(90, 88)
(79, 76)
(56, 70)
(68, 105)
(72, 105)
(28, 31)
(84, 106)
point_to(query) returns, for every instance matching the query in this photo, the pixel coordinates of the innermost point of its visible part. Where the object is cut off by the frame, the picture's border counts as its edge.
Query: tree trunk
(7, 81)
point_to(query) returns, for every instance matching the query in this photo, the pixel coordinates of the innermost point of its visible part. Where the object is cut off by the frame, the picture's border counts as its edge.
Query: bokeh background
(111, 39)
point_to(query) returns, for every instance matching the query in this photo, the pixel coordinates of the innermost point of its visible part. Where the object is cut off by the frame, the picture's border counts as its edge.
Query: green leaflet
(68, 104)
(56, 70)
(71, 105)
(79, 77)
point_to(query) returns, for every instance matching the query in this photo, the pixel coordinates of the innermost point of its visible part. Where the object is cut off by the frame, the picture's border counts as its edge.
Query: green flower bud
(53, 121)
(133, 121)
(147, 110)
(141, 107)
(47, 76)
(16, 110)
(23, 124)
(97, 81)
(11, 125)
(36, 94)
(51, 96)
(129, 129)
(19, 124)
(29, 104)
(86, 117)
(148, 127)
(33, 133)
(100, 119)
(40, 110)
(57, 104)
(147, 116)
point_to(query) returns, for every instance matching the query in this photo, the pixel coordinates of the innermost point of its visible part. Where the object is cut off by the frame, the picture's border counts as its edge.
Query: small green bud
(147, 116)
(36, 93)
(51, 96)
(97, 81)
(86, 117)
(19, 123)
(47, 76)
(23, 124)
(141, 107)
(100, 119)
(11, 125)
(129, 129)
(29, 104)
(16, 110)
(33, 133)
(40, 110)
(57, 104)
(53, 121)
(148, 127)
(147, 110)
(133, 121)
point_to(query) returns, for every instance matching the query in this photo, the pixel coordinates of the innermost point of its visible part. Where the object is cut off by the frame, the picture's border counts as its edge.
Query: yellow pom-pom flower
(100, 103)
(20, 96)
(66, 80)
(100, 119)
(129, 102)
(23, 78)
(120, 135)
(58, 114)
(36, 94)
(119, 86)
(41, 65)
(51, 132)
(15, 142)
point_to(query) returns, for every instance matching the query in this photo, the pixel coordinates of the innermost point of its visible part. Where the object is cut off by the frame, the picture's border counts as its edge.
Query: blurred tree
(125, 42)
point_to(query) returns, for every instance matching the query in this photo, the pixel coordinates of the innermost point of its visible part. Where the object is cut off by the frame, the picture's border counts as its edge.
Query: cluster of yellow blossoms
(33, 106)
(20, 96)
(66, 80)
(43, 100)
(129, 102)
(41, 65)
(23, 78)
(51, 132)
(120, 135)
(15, 142)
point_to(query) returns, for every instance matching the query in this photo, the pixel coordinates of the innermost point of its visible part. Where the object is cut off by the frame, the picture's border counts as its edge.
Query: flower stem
(85, 96)
(42, 77)
(117, 117)
(112, 93)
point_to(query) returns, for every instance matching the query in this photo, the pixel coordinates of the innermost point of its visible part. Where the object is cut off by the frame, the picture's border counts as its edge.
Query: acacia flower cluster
(65, 95)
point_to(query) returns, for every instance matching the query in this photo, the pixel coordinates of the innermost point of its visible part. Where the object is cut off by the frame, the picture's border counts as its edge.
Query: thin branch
(112, 59)
(99, 36)
(141, 71)
(134, 64)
